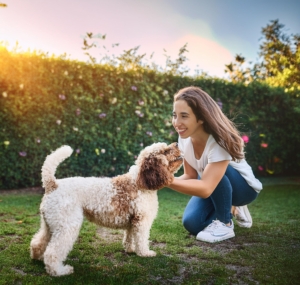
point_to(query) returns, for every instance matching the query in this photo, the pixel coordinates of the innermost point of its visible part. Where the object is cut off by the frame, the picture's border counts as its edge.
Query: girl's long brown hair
(215, 122)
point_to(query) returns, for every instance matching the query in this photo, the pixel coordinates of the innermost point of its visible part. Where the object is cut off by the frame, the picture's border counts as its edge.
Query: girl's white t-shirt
(214, 153)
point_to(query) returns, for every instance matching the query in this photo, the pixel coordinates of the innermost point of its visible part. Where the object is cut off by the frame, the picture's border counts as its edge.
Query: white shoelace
(212, 226)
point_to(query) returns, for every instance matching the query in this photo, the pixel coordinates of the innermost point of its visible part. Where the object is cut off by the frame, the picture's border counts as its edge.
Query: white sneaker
(243, 217)
(216, 231)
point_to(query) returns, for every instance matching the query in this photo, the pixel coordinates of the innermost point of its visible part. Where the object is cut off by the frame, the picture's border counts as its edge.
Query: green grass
(268, 253)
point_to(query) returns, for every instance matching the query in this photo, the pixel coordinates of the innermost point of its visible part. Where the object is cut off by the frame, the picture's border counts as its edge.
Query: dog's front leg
(128, 240)
(141, 233)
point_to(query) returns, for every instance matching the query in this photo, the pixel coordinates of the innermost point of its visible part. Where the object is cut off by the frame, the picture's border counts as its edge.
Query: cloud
(204, 54)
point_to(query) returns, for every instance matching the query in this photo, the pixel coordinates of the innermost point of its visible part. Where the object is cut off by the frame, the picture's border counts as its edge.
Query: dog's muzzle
(178, 158)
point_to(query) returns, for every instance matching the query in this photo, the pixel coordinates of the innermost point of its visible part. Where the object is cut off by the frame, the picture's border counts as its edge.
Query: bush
(107, 114)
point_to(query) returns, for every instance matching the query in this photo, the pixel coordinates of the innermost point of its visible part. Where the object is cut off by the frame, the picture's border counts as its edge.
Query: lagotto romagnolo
(126, 202)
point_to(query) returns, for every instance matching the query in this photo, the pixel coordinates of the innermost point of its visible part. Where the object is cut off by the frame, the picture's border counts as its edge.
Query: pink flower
(141, 102)
(38, 140)
(77, 150)
(245, 139)
(62, 97)
(102, 115)
(22, 153)
(149, 134)
(78, 111)
(133, 88)
(264, 145)
(101, 94)
(260, 168)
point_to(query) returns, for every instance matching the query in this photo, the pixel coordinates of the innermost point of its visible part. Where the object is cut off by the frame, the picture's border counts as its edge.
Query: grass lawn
(268, 253)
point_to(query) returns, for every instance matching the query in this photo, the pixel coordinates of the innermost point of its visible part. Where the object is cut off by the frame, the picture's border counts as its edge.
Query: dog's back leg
(61, 243)
(40, 241)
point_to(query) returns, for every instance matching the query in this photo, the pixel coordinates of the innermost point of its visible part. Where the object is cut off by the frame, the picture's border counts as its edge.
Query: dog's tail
(49, 167)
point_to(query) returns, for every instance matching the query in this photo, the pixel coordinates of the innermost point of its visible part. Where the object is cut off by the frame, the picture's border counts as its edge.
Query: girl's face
(185, 121)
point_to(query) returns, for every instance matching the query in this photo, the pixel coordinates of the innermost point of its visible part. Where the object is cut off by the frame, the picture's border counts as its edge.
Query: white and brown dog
(126, 202)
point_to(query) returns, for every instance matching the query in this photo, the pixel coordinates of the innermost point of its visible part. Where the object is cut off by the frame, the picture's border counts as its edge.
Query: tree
(236, 71)
(131, 59)
(279, 60)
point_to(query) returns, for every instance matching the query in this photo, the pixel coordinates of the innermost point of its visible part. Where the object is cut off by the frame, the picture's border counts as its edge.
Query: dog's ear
(153, 173)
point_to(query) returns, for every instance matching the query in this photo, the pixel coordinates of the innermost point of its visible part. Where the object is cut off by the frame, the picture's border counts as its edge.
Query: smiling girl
(216, 173)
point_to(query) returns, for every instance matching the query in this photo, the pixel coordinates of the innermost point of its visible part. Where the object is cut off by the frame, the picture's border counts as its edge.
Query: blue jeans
(232, 190)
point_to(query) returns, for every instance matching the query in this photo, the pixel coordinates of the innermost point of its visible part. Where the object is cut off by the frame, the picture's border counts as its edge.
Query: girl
(213, 152)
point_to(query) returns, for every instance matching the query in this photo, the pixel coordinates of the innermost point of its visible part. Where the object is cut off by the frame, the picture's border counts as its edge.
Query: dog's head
(157, 163)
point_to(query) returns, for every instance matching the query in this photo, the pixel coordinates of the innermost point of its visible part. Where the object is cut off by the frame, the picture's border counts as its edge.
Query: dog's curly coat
(126, 202)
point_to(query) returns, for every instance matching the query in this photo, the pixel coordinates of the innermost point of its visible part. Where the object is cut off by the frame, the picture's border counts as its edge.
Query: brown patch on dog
(90, 215)
(126, 192)
(153, 175)
(118, 212)
(37, 250)
(174, 157)
(135, 220)
(50, 186)
(156, 170)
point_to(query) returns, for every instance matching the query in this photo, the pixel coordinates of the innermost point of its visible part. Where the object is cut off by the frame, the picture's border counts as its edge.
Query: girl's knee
(188, 226)
(191, 225)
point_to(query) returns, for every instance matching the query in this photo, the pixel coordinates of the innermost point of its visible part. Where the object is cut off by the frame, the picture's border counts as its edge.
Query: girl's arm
(190, 185)
(189, 172)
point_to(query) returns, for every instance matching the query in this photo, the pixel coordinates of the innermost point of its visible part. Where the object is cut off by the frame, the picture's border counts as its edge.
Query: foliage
(281, 54)
(99, 258)
(236, 71)
(131, 59)
(108, 113)
(279, 60)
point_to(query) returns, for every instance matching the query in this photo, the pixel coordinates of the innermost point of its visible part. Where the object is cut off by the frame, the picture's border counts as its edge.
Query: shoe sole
(219, 239)
(245, 224)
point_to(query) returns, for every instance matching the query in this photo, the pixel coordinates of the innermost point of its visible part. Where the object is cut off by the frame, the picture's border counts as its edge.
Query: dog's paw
(68, 270)
(129, 250)
(62, 270)
(148, 253)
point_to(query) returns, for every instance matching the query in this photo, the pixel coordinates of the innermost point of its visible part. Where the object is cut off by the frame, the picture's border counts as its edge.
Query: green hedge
(108, 114)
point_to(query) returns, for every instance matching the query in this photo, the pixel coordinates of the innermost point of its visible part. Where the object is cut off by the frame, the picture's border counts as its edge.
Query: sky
(214, 30)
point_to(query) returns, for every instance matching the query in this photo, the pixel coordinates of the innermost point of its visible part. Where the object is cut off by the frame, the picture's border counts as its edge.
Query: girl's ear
(153, 173)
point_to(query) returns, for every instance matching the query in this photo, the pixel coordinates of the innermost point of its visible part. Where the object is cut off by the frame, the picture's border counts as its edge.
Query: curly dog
(127, 201)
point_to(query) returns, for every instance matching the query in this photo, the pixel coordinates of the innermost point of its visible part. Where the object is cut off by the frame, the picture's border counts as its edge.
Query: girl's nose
(177, 122)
